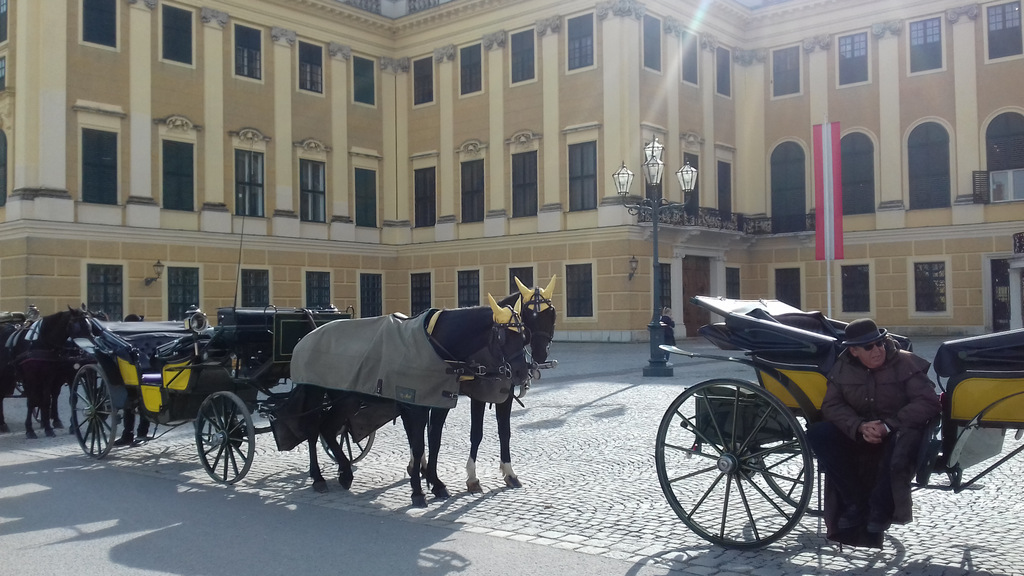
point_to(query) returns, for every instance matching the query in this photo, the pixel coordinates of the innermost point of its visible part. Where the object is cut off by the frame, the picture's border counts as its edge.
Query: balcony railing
(713, 219)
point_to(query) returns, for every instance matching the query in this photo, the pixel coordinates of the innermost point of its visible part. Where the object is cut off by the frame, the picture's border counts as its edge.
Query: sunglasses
(871, 346)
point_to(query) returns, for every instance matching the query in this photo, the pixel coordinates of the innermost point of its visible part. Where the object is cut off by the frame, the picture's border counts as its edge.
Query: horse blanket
(385, 356)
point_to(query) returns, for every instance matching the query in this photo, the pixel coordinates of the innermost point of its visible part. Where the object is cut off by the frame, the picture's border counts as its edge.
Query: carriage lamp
(158, 270)
(652, 204)
(633, 263)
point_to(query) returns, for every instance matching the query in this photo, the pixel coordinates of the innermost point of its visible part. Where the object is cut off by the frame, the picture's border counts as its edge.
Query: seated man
(875, 413)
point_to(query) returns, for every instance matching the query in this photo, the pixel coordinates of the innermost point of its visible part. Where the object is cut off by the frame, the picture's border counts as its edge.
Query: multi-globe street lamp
(652, 204)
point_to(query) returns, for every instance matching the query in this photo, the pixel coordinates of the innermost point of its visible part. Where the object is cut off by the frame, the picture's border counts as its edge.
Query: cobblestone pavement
(584, 449)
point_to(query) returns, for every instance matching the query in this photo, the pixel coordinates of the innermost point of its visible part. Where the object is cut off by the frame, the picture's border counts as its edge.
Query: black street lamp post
(653, 204)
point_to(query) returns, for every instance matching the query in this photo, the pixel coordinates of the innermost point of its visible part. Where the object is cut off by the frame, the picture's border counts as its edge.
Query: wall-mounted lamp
(633, 263)
(158, 270)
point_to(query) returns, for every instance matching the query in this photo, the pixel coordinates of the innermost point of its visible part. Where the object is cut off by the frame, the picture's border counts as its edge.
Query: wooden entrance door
(1000, 295)
(696, 282)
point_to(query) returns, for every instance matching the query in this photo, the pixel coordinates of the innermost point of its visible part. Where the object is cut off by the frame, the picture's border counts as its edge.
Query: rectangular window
(856, 288)
(583, 176)
(179, 175)
(318, 290)
(724, 188)
(311, 67)
(522, 56)
(363, 81)
(786, 71)
(419, 292)
(1006, 185)
(470, 69)
(425, 183)
(652, 43)
(1004, 30)
(930, 286)
(926, 45)
(691, 199)
(787, 286)
(423, 80)
(105, 290)
(248, 183)
(525, 275)
(366, 197)
(99, 22)
(177, 34)
(853, 58)
(473, 191)
(255, 288)
(371, 295)
(524, 184)
(3, 20)
(99, 166)
(579, 297)
(581, 42)
(248, 52)
(469, 288)
(665, 277)
(312, 191)
(690, 57)
(3, 72)
(182, 291)
(723, 72)
(732, 283)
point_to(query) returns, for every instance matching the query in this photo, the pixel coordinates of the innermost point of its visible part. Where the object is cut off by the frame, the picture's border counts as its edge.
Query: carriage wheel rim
(225, 437)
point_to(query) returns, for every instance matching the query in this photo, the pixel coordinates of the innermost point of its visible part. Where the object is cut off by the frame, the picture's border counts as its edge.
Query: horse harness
(490, 362)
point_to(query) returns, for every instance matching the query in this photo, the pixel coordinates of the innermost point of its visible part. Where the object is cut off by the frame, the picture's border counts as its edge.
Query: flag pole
(829, 217)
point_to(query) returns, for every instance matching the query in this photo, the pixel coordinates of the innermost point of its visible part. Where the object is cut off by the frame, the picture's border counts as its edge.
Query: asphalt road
(591, 503)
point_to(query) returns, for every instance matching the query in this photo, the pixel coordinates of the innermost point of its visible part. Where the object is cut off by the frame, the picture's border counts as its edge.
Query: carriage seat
(149, 344)
(999, 352)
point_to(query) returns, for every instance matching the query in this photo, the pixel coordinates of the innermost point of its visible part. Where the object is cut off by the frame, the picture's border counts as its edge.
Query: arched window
(1004, 144)
(928, 166)
(789, 179)
(858, 158)
(3, 168)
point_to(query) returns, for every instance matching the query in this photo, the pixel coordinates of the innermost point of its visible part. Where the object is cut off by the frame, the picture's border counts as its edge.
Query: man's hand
(873, 432)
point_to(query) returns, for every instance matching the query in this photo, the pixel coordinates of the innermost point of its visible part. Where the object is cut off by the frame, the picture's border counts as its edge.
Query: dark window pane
(732, 283)
(3, 20)
(787, 286)
(926, 45)
(423, 80)
(1004, 30)
(470, 69)
(178, 175)
(99, 22)
(786, 71)
(930, 286)
(3, 168)
(723, 72)
(366, 197)
(311, 67)
(99, 166)
(524, 184)
(581, 42)
(724, 187)
(248, 183)
(690, 57)
(371, 297)
(425, 182)
(469, 288)
(182, 291)
(255, 287)
(652, 43)
(788, 188)
(419, 294)
(583, 176)
(318, 290)
(522, 56)
(928, 167)
(525, 275)
(473, 191)
(363, 80)
(579, 299)
(248, 52)
(105, 290)
(177, 34)
(853, 58)
(856, 288)
(1004, 142)
(857, 154)
(312, 191)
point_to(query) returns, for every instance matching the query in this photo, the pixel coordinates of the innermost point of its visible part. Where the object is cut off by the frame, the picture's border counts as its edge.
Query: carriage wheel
(354, 450)
(733, 463)
(225, 437)
(93, 416)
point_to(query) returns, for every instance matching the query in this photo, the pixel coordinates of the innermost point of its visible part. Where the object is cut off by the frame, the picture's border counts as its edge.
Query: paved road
(591, 503)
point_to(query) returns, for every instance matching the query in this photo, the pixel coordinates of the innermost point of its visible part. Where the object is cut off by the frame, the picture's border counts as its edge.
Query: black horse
(538, 315)
(40, 356)
(483, 347)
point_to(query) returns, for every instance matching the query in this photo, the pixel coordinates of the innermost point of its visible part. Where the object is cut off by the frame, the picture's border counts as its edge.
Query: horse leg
(434, 429)
(31, 402)
(319, 484)
(4, 428)
(476, 435)
(414, 419)
(54, 405)
(503, 414)
(334, 419)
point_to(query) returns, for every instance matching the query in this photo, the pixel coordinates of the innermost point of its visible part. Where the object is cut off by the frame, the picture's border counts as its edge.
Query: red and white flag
(828, 193)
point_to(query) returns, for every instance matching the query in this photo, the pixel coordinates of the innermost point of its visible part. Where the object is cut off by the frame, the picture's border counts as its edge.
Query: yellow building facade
(393, 155)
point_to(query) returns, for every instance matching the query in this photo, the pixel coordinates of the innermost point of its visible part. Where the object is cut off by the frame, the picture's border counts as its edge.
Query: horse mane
(53, 329)
(462, 331)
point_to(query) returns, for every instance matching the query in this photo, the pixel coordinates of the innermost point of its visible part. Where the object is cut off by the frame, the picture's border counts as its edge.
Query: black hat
(863, 331)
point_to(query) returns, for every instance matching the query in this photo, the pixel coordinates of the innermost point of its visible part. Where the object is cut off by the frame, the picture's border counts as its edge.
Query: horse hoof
(419, 501)
(441, 492)
(49, 433)
(513, 482)
(4, 428)
(474, 487)
(320, 486)
(57, 423)
(345, 479)
(31, 435)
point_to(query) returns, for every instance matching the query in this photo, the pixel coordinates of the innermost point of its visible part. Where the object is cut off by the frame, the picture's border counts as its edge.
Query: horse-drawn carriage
(732, 457)
(183, 372)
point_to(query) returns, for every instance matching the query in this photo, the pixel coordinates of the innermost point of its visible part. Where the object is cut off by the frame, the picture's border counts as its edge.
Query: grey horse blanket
(385, 356)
